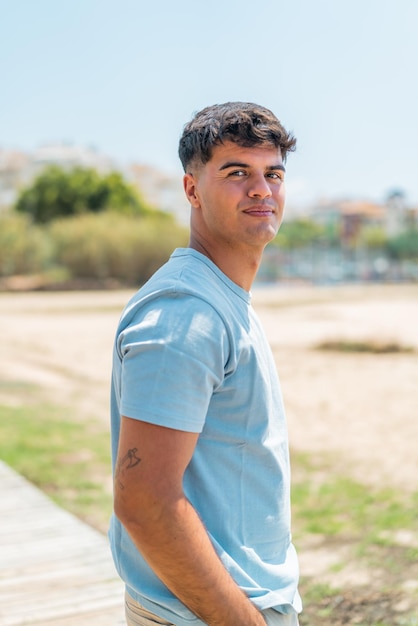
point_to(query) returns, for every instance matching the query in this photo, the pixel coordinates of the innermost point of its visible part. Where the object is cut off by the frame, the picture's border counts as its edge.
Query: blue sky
(125, 75)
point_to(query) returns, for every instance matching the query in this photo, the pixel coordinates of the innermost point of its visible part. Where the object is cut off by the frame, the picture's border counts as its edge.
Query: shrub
(24, 248)
(405, 245)
(299, 233)
(110, 245)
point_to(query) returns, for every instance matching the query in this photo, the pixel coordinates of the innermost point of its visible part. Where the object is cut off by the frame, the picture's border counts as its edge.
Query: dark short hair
(243, 123)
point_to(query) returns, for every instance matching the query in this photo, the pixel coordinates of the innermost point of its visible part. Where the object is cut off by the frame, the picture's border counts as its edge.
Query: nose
(259, 186)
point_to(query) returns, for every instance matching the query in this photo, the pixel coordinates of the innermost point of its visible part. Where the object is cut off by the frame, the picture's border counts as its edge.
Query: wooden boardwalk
(54, 569)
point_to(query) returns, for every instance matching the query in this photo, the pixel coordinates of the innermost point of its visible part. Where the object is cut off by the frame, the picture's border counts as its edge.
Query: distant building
(399, 217)
(69, 156)
(13, 175)
(160, 190)
(346, 218)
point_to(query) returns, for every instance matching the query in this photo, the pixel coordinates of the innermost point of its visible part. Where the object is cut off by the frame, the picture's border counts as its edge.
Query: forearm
(177, 547)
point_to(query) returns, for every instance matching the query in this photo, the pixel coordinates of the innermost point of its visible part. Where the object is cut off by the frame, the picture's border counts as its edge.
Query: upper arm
(150, 465)
(172, 358)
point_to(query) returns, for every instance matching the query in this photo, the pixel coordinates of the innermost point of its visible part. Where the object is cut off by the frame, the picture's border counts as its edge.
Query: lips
(260, 210)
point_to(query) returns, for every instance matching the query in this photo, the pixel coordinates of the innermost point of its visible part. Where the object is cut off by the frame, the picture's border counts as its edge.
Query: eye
(276, 175)
(238, 173)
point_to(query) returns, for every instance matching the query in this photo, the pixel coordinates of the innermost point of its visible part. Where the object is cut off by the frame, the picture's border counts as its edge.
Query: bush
(405, 245)
(109, 245)
(298, 233)
(24, 248)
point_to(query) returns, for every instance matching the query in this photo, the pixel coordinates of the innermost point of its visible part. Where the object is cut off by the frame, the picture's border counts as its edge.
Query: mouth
(260, 210)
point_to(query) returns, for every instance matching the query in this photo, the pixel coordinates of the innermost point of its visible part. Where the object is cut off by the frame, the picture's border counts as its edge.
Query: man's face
(237, 197)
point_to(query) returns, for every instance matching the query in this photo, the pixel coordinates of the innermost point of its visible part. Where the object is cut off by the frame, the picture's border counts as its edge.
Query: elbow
(130, 511)
(137, 524)
(140, 512)
(120, 509)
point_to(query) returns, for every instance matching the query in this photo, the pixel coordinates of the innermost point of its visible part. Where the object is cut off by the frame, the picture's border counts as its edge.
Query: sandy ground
(358, 411)
(360, 408)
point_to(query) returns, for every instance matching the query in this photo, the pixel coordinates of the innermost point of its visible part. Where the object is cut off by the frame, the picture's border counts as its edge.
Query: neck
(240, 266)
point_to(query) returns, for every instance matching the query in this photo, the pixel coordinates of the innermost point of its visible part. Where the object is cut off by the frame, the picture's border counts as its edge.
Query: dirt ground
(359, 409)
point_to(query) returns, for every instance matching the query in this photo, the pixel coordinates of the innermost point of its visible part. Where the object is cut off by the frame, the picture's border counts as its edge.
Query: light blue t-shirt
(190, 354)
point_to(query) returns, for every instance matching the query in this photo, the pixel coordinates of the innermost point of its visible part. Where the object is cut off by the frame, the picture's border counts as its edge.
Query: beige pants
(137, 615)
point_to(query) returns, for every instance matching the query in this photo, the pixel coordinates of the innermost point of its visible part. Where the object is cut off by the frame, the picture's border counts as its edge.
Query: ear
(190, 189)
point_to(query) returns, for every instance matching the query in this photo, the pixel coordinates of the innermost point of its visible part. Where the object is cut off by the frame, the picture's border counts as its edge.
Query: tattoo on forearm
(126, 462)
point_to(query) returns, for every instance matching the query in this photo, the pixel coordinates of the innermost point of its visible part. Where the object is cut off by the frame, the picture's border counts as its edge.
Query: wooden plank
(54, 569)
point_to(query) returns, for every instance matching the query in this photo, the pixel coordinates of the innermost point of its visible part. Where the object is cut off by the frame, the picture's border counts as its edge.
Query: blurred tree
(299, 233)
(373, 237)
(405, 245)
(59, 193)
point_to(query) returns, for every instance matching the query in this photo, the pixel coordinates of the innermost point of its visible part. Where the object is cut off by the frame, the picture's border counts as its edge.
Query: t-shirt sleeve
(173, 355)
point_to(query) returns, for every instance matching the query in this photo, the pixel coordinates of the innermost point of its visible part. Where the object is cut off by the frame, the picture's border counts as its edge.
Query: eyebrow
(229, 164)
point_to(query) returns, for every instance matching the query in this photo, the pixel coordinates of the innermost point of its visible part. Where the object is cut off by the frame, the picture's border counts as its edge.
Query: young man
(201, 530)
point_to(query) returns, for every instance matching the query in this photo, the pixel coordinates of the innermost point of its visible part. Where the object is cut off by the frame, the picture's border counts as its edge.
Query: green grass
(364, 520)
(328, 504)
(341, 505)
(68, 460)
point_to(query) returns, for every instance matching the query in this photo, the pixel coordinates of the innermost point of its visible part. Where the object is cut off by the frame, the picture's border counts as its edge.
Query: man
(201, 531)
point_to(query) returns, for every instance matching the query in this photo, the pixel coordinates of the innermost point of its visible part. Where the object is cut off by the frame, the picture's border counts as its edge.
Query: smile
(260, 211)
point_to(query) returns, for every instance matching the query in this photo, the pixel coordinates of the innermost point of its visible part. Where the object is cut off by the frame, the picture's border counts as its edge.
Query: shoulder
(188, 285)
